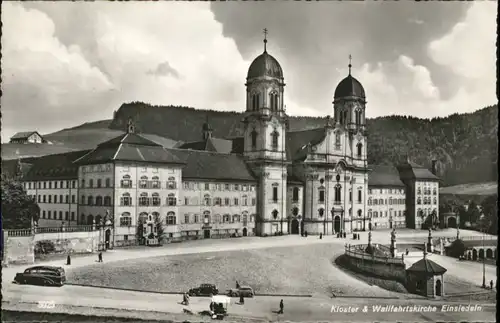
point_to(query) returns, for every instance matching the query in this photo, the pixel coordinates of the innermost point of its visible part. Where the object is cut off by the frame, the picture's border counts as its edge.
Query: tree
(490, 210)
(473, 213)
(140, 230)
(18, 209)
(159, 228)
(457, 248)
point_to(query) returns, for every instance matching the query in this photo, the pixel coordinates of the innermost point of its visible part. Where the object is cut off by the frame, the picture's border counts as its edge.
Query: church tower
(265, 125)
(349, 113)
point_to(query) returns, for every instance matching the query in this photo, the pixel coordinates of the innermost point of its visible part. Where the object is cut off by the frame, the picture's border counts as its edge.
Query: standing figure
(281, 307)
(491, 284)
(68, 260)
(321, 235)
(237, 285)
(242, 299)
(99, 257)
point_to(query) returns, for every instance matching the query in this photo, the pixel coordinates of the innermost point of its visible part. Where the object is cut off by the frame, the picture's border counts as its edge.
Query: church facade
(269, 181)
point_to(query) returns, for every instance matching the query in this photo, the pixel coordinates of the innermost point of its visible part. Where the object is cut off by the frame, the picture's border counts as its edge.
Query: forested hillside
(465, 145)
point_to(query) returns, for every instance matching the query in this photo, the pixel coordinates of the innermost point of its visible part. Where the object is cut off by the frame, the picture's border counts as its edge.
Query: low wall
(18, 250)
(381, 267)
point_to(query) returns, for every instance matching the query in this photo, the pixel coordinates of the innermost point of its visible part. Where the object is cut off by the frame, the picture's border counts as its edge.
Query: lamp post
(484, 256)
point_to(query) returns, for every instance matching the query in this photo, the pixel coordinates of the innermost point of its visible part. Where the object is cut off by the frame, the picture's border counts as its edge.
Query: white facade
(387, 207)
(426, 200)
(57, 199)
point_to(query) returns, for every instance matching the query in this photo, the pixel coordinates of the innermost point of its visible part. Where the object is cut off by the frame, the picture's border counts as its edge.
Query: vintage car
(42, 275)
(204, 290)
(245, 291)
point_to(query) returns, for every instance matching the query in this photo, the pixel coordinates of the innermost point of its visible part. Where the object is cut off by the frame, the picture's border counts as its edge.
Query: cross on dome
(350, 63)
(265, 39)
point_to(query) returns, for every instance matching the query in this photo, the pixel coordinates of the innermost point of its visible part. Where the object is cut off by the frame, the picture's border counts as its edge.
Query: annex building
(269, 181)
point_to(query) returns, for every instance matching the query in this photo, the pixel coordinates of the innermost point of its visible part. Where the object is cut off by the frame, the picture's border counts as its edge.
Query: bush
(457, 248)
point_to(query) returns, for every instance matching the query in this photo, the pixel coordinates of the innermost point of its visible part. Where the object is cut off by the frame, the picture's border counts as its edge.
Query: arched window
(375, 202)
(108, 182)
(435, 201)
(90, 200)
(171, 183)
(295, 194)
(321, 212)
(207, 200)
(337, 140)
(375, 214)
(244, 200)
(419, 191)
(143, 183)
(155, 182)
(83, 200)
(99, 183)
(295, 211)
(236, 218)
(360, 213)
(381, 201)
(90, 219)
(156, 199)
(143, 199)
(126, 181)
(342, 116)
(171, 200)
(275, 192)
(126, 200)
(98, 220)
(360, 197)
(273, 100)
(274, 136)
(98, 200)
(360, 149)
(255, 101)
(107, 200)
(358, 117)
(226, 218)
(370, 201)
(91, 183)
(217, 201)
(434, 192)
(143, 218)
(338, 193)
(254, 138)
(390, 200)
(171, 219)
(369, 213)
(275, 214)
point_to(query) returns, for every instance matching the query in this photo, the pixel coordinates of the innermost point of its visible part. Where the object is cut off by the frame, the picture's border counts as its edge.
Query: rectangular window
(186, 218)
(50, 185)
(275, 194)
(55, 185)
(359, 196)
(227, 187)
(125, 237)
(254, 201)
(186, 201)
(207, 187)
(43, 214)
(72, 216)
(66, 216)
(322, 196)
(236, 187)
(227, 201)
(50, 199)
(235, 201)
(49, 214)
(39, 199)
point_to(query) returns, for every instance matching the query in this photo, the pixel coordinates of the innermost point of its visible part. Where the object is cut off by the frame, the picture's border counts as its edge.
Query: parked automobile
(204, 290)
(245, 291)
(42, 275)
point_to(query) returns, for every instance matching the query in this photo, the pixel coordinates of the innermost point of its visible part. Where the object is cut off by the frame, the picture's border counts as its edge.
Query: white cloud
(75, 62)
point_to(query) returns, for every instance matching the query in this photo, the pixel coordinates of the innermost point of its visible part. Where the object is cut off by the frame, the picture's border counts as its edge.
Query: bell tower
(265, 124)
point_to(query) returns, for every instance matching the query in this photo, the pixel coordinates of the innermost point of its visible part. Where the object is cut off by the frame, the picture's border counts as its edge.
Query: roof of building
(210, 144)
(24, 135)
(384, 175)
(57, 166)
(427, 266)
(416, 171)
(265, 65)
(11, 168)
(297, 142)
(349, 87)
(213, 165)
(129, 147)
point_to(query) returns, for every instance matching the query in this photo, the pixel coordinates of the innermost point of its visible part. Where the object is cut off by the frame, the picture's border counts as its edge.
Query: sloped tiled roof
(211, 165)
(384, 175)
(416, 171)
(58, 166)
(23, 135)
(297, 141)
(10, 168)
(219, 145)
(427, 266)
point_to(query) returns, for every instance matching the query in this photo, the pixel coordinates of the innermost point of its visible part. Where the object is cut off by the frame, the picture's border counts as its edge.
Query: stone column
(429, 241)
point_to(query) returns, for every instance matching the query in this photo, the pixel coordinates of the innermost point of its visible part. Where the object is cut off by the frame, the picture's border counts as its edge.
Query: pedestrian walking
(242, 299)
(491, 284)
(407, 251)
(320, 235)
(68, 260)
(345, 234)
(99, 257)
(281, 307)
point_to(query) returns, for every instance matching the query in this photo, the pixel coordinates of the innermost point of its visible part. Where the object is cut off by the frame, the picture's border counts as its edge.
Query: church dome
(265, 65)
(349, 87)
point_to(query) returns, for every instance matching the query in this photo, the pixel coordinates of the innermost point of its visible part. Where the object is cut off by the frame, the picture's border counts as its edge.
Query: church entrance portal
(336, 224)
(206, 234)
(245, 232)
(295, 226)
(452, 222)
(438, 287)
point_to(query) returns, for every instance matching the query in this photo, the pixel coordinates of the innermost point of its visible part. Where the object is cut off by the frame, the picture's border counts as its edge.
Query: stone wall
(18, 249)
(385, 268)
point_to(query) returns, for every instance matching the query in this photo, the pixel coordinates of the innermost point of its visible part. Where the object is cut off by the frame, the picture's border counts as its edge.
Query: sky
(67, 63)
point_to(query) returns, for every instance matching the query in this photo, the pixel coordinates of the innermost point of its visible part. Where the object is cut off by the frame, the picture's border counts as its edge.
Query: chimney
(434, 167)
